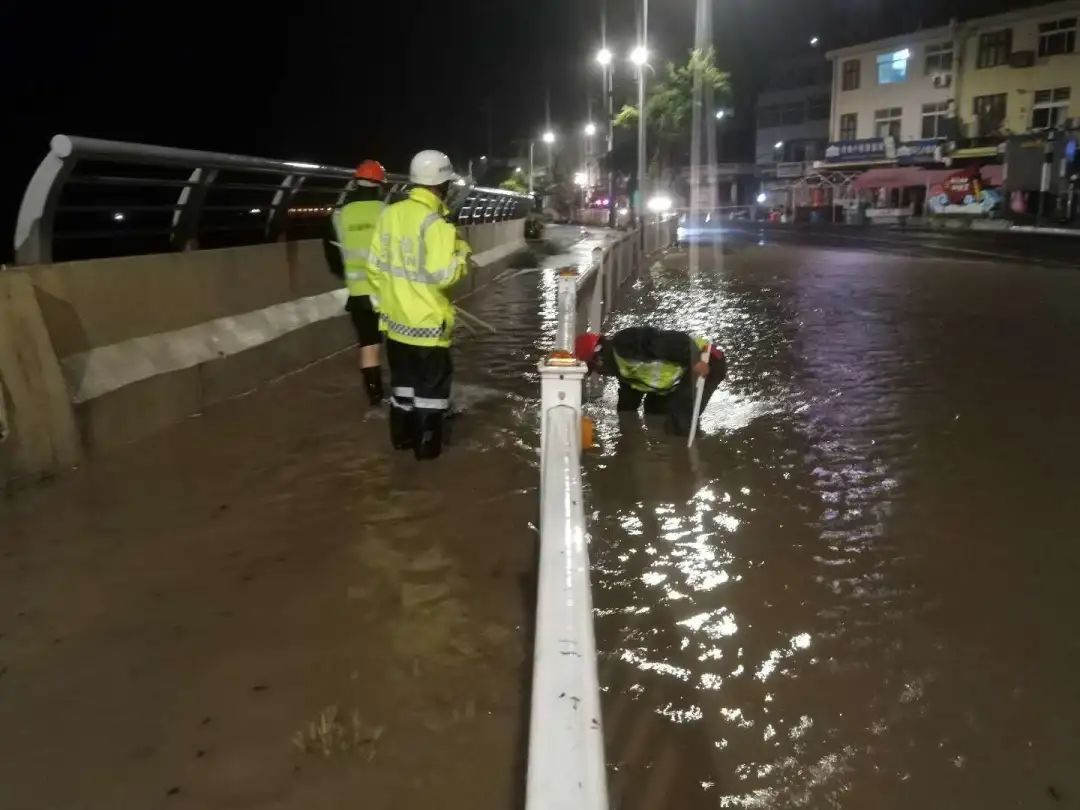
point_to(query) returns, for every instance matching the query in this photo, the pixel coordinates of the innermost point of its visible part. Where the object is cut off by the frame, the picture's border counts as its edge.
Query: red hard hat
(372, 171)
(585, 346)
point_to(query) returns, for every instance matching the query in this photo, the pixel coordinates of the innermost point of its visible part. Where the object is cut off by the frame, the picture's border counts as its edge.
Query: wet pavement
(859, 589)
(856, 591)
(265, 607)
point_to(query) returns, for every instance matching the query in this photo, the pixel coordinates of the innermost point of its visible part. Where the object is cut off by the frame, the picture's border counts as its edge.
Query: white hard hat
(430, 168)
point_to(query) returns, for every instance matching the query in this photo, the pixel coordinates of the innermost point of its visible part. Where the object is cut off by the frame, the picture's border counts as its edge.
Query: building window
(994, 48)
(939, 58)
(887, 123)
(792, 114)
(934, 117)
(892, 67)
(990, 113)
(1051, 107)
(817, 108)
(768, 116)
(1057, 37)
(850, 75)
(849, 126)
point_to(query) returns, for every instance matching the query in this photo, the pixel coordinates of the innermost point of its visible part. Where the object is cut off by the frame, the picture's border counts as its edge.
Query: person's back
(347, 243)
(656, 366)
(417, 261)
(417, 257)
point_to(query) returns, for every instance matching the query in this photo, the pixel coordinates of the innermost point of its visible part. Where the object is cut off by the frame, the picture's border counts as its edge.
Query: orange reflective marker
(587, 434)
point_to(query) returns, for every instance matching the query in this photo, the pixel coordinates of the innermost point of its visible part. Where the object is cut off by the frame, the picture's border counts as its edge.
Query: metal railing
(93, 197)
(566, 767)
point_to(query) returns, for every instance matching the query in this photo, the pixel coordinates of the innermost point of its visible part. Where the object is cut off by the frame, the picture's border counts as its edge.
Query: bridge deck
(179, 619)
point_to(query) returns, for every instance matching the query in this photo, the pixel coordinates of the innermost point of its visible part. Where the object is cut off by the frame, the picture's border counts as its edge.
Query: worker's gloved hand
(701, 369)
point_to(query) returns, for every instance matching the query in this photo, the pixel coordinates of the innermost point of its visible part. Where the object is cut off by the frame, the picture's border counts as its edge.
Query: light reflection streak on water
(788, 520)
(704, 562)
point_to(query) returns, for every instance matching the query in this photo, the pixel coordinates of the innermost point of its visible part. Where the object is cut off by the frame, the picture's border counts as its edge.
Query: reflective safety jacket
(649, 360)
(417, 256)
(348, 246)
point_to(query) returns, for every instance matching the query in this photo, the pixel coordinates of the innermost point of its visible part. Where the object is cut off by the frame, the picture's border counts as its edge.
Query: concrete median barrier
(137, 343)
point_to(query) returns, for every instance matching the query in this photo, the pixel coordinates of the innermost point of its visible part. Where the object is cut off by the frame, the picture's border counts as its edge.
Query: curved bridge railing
(93, 198)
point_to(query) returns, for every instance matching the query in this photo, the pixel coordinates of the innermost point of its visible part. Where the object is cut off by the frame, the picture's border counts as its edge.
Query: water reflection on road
(858, 590)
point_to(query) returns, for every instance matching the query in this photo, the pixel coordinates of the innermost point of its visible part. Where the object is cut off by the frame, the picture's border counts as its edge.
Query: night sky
(337, 82)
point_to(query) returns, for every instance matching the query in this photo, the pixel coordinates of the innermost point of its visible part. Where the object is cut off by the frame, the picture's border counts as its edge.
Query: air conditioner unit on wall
(1022, 59)
(942, 80)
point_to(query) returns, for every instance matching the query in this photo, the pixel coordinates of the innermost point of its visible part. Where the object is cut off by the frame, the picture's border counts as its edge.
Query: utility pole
(609, 95)
(547, 128)
(532, 146)
(641, 110)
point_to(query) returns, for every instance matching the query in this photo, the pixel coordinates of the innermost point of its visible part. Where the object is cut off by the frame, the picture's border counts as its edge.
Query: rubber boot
(429, 434)
(373, 383)
(402, 428)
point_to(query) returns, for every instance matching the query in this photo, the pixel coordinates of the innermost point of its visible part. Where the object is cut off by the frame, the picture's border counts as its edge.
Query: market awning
(908, 176)
(893, 177)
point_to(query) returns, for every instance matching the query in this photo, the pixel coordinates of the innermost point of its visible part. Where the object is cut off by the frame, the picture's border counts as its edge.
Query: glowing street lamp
(814, 41)
(548, 137)
(639, 56)
(720, 115)
(604, 56)
(590, 129)
(581, 179)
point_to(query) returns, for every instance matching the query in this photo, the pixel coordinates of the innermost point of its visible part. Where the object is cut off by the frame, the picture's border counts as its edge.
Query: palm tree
(669, 107)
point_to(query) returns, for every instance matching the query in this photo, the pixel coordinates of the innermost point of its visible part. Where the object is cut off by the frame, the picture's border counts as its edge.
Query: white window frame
(1064, 28)
(892, 59)
(1059, 100)
(938, 53)
(938, 110)
(888, 116)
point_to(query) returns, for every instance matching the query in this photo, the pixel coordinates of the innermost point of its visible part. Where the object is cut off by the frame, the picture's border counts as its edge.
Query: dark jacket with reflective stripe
(646, 344)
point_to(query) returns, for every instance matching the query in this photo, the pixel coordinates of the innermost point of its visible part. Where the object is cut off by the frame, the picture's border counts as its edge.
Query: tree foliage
(669, 107)
(514, 183)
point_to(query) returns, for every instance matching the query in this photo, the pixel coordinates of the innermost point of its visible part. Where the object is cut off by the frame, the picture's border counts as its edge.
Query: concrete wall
(120, 348)
(812, 132)
(1020, 84)
(37, 428)
(908, 95)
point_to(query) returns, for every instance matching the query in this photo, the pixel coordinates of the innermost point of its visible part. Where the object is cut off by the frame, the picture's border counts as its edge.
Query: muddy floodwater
(858, 590)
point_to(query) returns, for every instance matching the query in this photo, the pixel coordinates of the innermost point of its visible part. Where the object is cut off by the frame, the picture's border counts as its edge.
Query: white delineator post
(566, 768)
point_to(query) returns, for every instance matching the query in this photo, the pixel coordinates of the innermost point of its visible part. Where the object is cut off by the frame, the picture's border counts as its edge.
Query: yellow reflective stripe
(649, 376)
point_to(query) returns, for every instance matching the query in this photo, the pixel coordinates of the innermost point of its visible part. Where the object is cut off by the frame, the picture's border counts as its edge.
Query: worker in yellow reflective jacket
(657, 366)
(417, 257)
(347, 245)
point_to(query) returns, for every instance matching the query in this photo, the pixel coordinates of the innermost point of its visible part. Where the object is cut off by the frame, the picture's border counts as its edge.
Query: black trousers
(420, 378)
(678, 403)
(365, 320)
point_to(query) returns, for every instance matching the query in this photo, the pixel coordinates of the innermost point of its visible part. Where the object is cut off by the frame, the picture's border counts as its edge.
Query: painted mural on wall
(964, 193)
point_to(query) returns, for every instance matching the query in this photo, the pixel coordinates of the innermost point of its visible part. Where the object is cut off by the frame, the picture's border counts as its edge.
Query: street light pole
(641, 139)
(609, 92)
(532, 145)
(640, 57)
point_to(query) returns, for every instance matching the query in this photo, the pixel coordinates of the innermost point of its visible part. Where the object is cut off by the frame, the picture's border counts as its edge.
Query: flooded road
(860, 589)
